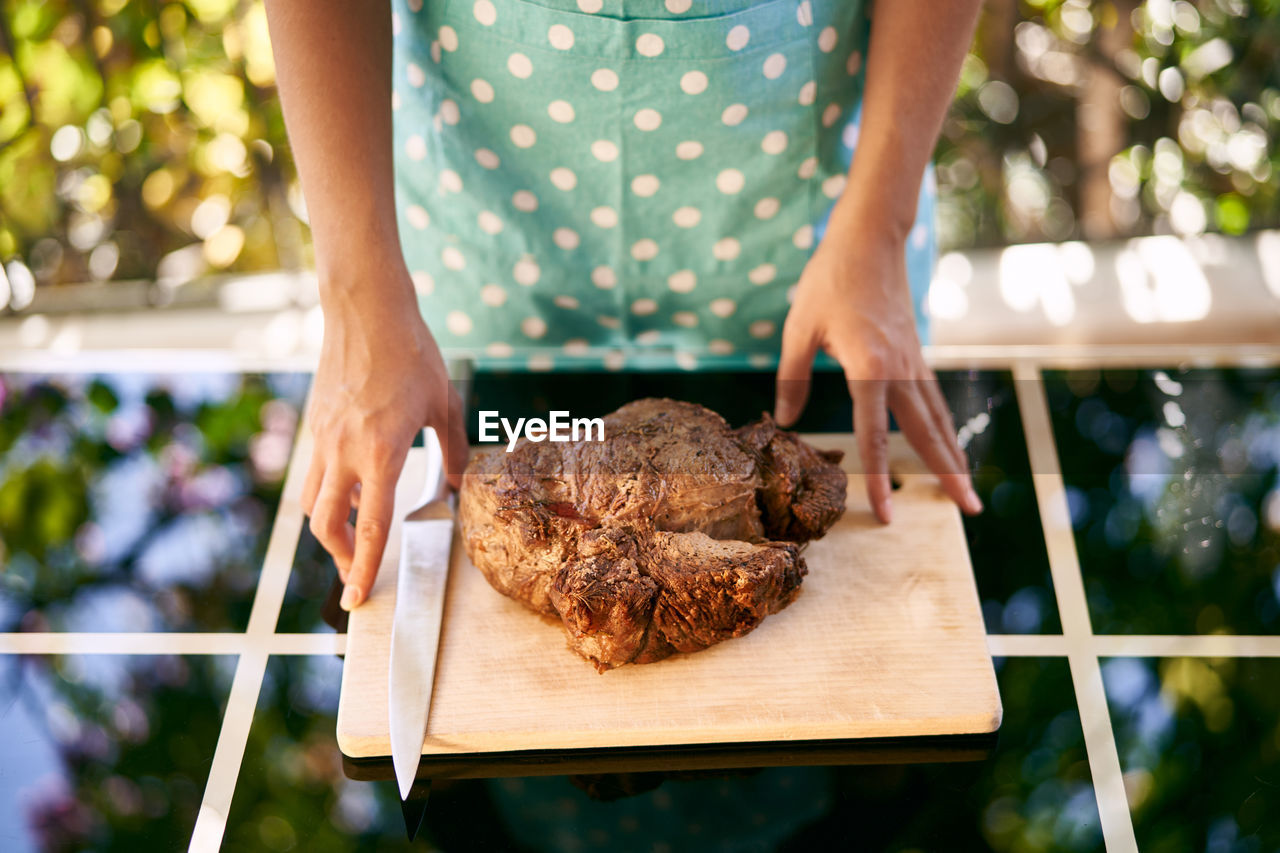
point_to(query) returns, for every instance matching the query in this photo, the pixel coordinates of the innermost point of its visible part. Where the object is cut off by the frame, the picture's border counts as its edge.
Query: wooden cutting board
(886, 639)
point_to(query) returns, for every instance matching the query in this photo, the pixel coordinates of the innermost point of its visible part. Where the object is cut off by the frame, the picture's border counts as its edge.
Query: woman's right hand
(379, 381)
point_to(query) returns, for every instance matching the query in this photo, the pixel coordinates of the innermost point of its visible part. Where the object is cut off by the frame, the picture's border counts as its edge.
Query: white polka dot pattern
(573, 183)
(564, 179)
(523, 136)
(524, 200)
(519, 65)
(687, 216)
(683, 281)
(774, 142)
(693, 82)
(604, 150)
(417, 216)
(566, 238)
(645, 185)
(458, 323)
(730, 181)
(762, 274)
(604, 79)
(648, 119)
(734, 114)
(560, 36)
(689, 149)
(723, 307)
(527, 271)
(604, 216)
(482, 90)
(644, 250)
(561, 111)
(604, 278)
(649, 45)
(453, 258)
(493, 295)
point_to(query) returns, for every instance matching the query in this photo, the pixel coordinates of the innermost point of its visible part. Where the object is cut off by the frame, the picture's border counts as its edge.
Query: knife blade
(426, 537)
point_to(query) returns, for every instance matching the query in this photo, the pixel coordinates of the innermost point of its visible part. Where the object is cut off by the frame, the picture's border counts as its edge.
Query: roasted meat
(672, 534)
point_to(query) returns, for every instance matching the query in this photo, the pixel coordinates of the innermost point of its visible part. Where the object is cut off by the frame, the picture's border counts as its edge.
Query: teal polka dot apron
(625, 184)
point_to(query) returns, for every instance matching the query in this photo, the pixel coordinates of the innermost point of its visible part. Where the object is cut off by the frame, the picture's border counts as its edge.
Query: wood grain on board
(886, 639)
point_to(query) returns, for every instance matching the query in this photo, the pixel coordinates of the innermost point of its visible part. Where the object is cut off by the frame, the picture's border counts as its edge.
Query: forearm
(333, 69)
(913, 61)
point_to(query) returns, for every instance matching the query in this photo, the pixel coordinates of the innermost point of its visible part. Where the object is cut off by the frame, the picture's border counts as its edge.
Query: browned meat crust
(659, 539)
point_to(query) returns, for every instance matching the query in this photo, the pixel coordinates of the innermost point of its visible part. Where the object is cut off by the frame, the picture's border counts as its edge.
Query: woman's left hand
(853, 301)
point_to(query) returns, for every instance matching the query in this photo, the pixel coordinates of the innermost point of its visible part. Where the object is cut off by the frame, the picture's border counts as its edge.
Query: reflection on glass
(1199, 742)
(106, 751)
(1033, 793)
(313, 590)
(292, 794)
(1006, 542)
(1172, 485)
(135, 502)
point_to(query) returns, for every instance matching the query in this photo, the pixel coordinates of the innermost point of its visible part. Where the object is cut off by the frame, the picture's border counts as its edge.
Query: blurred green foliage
(144, 139)
(141, 140)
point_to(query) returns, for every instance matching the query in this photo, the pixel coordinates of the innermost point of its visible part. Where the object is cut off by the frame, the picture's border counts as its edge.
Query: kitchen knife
(426, 536)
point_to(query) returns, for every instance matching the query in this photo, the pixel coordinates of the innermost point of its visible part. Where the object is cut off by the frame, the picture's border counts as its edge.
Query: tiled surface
(134, 502)
(1194, 742)
(106, 752)
(1199, 743)
(1174, 498)
(291, 793)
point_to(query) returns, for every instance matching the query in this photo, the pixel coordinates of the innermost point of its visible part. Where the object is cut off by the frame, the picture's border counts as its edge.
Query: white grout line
(942, 357)
(152, 360)
(1000, 645)
(1073, 608)
(211, 823)
(277, 563)
(162, 643)
(1027, 645)
(1187, 646)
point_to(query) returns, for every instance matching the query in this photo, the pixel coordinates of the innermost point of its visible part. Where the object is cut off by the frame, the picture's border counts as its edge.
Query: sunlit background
(144, 140)
(1128, 148)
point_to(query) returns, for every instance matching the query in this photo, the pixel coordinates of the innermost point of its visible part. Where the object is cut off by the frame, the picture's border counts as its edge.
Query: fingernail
(975, 502)
(350, 597)
(782, 414)
(886, 510)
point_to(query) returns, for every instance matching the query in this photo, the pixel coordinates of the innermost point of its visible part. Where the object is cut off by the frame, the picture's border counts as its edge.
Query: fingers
(329, 517)
(377, 504)
(871, 429)
(451, 429)
(795, 364)
(311, 485)
(934, 443)
(931, 392)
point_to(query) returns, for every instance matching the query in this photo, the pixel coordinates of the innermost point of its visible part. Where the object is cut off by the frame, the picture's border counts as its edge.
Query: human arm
(853, 299)
(380, 378)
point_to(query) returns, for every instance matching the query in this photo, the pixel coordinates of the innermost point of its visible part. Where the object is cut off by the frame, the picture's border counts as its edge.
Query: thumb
(795, 365)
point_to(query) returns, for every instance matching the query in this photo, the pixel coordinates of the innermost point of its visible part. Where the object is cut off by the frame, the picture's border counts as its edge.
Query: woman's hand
(379, 381)
(853, 301)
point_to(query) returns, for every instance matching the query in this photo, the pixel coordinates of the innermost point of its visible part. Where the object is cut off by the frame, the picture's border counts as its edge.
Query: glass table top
(139, 506)
(1174, 498)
